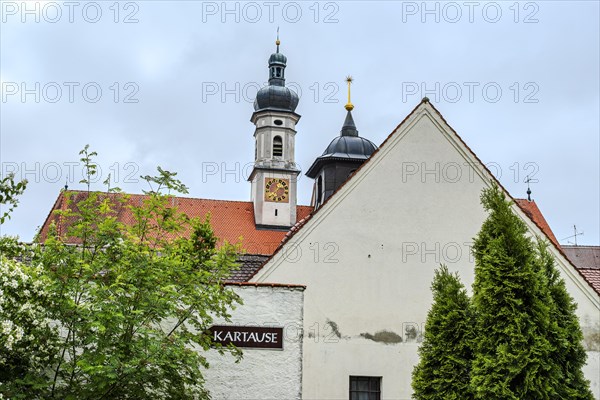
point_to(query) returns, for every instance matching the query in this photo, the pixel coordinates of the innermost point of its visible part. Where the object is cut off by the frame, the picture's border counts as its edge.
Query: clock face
(277, 190)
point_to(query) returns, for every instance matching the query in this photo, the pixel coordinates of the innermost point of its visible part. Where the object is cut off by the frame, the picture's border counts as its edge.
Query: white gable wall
(262, 373)
(368, 257)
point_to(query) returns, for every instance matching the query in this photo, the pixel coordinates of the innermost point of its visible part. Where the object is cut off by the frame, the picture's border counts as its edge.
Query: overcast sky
(171, 83)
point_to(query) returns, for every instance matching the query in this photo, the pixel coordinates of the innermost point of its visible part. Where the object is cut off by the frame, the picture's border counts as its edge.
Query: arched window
(319, 189)
(277, 146)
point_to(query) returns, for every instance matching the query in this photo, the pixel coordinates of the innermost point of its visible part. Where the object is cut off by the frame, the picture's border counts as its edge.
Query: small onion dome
(343, 149)
(275, 97)
(278, 58)
(350, 147)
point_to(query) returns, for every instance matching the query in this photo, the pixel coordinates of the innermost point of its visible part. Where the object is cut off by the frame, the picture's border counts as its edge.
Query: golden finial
(349, 106)
(278, 42)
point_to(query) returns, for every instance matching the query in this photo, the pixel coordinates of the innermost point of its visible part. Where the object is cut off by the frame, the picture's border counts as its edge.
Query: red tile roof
(585, 259)
(592, 275)
(231, 220)
(533, 212)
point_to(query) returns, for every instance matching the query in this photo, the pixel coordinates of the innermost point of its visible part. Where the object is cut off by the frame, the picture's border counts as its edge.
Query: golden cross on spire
(349, 106)
(278, 42)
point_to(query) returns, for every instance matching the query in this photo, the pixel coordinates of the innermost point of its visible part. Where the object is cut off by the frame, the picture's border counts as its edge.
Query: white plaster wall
(262, 373)
(592, 369)
(368, 258)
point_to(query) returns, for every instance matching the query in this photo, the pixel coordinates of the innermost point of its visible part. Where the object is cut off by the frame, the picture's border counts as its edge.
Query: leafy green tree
(133, 302)
(568, 355)
(28, 339)
(10, 190)
(513, 308)
(443, 371)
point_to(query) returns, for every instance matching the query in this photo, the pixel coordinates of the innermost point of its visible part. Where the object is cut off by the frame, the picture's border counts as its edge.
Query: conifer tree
(568, 355)
(445, 354)
(512, 307)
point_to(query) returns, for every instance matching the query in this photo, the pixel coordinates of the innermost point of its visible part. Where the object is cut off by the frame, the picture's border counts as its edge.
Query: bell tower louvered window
(277, 146)
(319, 190)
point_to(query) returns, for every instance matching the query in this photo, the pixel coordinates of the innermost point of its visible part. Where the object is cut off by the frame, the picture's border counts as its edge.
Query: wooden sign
(248, 336)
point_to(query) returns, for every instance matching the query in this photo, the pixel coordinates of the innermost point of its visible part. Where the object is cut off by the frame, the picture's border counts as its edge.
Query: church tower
(274, 176)
(340, 159)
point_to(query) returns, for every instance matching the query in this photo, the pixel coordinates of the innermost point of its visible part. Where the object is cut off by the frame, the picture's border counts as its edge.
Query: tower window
(319, 189)
(275, 212)
(278, 122)
(277, 146)
(278, 74)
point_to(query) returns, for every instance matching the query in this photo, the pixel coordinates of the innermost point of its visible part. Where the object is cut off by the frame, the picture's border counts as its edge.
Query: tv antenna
(574, 236)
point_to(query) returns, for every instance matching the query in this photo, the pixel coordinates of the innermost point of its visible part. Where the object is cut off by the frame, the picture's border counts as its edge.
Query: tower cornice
(275, 112)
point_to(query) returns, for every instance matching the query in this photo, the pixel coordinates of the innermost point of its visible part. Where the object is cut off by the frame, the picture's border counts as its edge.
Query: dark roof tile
(583, 257)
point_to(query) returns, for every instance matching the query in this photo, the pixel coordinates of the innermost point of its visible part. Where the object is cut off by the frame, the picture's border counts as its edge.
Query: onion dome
(278, 58)
(276, 96)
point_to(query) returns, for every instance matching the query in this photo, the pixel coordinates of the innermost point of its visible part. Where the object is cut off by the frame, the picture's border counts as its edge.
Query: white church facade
(343, 285)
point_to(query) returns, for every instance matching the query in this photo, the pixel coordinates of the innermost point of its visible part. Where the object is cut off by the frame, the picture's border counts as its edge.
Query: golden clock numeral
(276, 189)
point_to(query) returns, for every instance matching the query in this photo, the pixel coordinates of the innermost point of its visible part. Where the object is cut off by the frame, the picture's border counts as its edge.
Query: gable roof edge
(487, 176)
